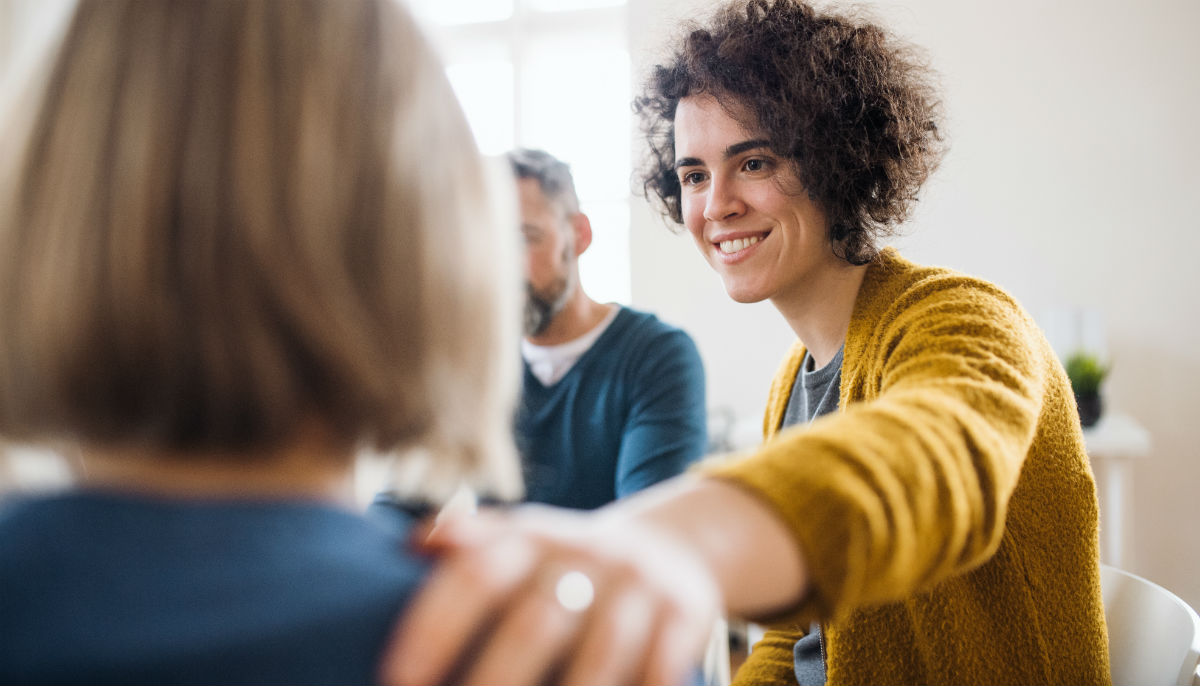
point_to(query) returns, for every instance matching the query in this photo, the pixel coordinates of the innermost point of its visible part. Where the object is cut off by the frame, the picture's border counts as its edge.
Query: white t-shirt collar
(550, 363)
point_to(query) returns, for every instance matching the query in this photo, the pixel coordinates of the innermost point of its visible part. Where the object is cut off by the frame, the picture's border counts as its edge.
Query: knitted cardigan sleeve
(908, 484)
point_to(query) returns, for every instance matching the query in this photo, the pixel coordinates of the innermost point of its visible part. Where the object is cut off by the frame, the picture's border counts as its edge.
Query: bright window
(551, 74)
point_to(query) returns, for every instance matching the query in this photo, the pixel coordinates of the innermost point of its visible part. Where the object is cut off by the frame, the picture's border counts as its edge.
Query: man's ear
(582, 226)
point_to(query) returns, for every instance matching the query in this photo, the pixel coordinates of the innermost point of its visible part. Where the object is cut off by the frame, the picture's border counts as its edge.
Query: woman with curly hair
(922, 509)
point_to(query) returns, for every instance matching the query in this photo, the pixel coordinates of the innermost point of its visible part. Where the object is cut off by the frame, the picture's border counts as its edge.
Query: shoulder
(933, 320)
(898, 293)
(142, 526)
(891, 273)
(335, 581)
(646, 330)
(663, 351)
(643, 352)
(316, 555)
(21, 517)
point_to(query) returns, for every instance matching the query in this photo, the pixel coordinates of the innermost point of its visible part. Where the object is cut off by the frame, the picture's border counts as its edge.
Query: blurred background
(1072, 181)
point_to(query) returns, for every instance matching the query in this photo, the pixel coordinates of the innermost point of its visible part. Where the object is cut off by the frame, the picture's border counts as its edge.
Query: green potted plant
(1086, 373)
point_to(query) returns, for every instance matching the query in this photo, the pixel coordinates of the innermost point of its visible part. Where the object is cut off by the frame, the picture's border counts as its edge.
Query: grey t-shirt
(814, 393)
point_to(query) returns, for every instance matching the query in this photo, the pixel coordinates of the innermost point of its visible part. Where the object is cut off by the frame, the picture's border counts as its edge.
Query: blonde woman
(240, 242)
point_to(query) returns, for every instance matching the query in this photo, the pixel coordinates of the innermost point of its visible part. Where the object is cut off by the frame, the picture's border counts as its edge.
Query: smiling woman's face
(745, 208)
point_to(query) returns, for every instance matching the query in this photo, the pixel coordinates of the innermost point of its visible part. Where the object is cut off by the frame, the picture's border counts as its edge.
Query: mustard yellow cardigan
(947, 511)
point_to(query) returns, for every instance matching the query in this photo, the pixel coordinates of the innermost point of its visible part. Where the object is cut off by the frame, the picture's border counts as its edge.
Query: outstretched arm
(662, 563)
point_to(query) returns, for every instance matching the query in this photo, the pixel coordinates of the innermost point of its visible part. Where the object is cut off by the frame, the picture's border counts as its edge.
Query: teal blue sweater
(628, 414)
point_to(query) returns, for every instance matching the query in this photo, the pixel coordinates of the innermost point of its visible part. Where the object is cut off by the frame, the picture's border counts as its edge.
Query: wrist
(745, 546)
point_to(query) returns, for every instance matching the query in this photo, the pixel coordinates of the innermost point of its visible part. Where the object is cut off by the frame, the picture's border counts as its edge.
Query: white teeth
(738, 244)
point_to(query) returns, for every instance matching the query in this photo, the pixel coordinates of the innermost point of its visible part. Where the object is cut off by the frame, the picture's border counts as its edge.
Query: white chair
(1153, 636)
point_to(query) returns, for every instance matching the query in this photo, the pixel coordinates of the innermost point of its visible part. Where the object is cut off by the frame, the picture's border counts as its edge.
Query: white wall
(1072, 181)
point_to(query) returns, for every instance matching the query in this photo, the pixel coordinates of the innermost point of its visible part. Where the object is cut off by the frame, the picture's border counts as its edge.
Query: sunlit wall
(551, 74)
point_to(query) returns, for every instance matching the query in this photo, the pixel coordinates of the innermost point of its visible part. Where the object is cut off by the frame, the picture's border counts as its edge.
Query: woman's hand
(660, 564)
(508, 603)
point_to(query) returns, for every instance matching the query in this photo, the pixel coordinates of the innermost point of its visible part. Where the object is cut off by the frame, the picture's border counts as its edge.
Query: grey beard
(540, 311)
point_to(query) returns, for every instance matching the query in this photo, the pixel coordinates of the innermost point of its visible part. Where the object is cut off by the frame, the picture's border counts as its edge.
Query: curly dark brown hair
(855, 111)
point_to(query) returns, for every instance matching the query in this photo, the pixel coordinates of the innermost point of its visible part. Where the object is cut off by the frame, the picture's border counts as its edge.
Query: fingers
(688, 608)
(490, 612)
(613, 642)
(455, 604)
(675, 646)
(638, 634)
(530, 640)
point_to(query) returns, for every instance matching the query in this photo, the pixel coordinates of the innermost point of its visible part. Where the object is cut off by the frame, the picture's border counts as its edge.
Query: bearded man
(613, 399)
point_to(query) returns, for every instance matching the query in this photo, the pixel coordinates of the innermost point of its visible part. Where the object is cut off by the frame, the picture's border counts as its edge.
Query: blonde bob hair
(229, 219)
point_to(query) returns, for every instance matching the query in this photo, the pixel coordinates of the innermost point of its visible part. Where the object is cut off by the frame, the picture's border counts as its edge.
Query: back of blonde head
(229, 219)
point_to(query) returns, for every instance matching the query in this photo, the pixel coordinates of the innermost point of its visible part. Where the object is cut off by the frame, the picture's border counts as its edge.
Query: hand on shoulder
(540, 595)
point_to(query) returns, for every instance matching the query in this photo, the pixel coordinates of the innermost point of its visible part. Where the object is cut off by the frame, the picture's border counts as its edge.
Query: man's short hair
(553, 176)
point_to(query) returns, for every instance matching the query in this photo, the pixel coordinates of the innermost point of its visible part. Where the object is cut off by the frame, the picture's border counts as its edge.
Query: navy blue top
(628, 414)
(105, 588)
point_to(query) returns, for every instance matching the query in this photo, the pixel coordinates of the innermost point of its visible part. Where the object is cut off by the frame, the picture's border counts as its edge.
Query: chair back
(1153, 636)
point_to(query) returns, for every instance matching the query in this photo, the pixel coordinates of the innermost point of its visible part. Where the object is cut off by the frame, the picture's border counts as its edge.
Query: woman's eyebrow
(735, 149)
(739, 148)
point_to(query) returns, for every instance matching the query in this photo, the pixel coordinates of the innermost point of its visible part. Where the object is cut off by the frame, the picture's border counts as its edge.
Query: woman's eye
(755, 164)
(692, 178)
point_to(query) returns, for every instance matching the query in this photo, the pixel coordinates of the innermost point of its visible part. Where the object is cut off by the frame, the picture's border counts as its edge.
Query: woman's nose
(723, 202)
